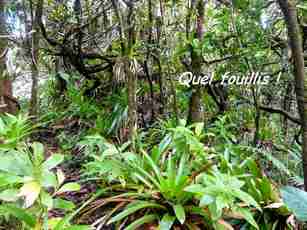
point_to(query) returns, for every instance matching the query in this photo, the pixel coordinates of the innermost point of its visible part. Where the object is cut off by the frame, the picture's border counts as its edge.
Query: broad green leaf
(181, 168)
(179, 212)
(53, 161)
(171, 172)
(142, 179)
(155, 154)
(62, 223)
(199, 128)
(52, 222)
(215, 212)
(49, 179)
(139, 222)
(148, 176)
(165, 143)
(167, 222)
(8, 179)
(253, 167)
(16, 164)
(47, 200)
(134, 207)
(9, 195)
(38, 152)
(110, 150)
(265, 187)
(152, 165)
(195, 188)
(248, 216)
(19, 214)
(63, 204)
(296, 200)
(245, 197)
(69, 187)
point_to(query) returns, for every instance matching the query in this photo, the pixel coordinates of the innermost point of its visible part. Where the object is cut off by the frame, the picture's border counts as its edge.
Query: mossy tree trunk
(289, 10)
(195, 106)
(35, 55)
(127, 34)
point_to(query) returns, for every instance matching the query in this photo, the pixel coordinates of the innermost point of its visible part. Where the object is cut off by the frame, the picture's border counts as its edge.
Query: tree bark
(8, 104)
(191, 6)
(127, 41)
(132, 101)
(147, 60)
(35, 54)
(132, 75)
(286, 105)
(195, 106)
(289, 10)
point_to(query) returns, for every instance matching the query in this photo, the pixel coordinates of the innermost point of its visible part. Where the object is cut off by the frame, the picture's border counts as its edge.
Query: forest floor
(72, 170)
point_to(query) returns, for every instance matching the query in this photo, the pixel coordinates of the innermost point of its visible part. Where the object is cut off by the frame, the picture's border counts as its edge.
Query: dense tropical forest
(153, 114)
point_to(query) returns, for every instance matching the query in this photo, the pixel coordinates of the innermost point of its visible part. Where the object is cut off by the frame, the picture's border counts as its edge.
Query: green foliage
(26, 179)
(14, 130)
(160, 176)
(220, 191)
(224, 173)
(110, 123)
(80, 105)
(162, 184)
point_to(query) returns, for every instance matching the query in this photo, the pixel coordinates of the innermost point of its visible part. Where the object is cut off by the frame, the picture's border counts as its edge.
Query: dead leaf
(275, 205)
(225, 224)
(291, 221)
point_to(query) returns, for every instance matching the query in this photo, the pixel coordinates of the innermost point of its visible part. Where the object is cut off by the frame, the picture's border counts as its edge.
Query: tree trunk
(286, 105)
(174, 94)
(132, 100)
(289, 10)
(190, 7)
(147, 60)
(34, 65)
(132, 76)
(127, 41)
(195, 106)
(8, 104)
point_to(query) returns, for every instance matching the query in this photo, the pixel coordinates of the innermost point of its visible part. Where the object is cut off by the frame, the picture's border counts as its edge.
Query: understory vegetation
(153, 114)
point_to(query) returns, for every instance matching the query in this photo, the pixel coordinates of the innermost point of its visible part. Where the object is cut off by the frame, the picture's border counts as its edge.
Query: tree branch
(286, 114)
